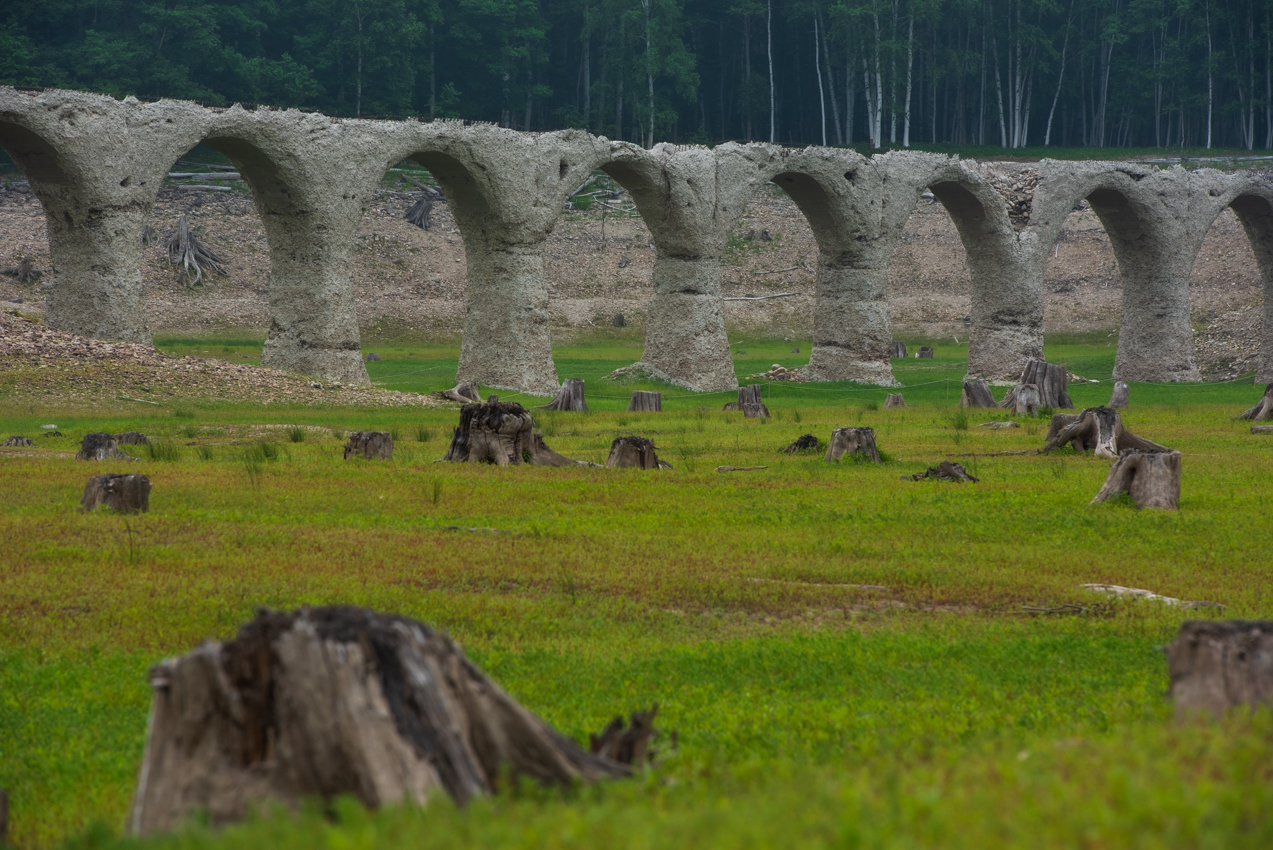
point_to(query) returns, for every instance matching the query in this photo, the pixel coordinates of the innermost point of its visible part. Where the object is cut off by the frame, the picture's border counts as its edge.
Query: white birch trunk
(817, 64)
(769, 37)
(910, 64)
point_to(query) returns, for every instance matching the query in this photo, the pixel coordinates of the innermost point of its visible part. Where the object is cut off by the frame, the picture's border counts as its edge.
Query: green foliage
(163, 451)
(296, 434)
(423, 434)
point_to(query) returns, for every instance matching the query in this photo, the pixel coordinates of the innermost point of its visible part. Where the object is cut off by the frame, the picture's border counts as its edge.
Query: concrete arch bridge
(97, 163)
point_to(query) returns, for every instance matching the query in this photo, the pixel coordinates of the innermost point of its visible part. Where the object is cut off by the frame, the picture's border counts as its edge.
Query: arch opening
(1250, 316)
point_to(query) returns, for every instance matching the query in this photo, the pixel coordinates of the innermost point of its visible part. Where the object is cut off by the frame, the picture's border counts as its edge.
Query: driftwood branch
(761, 297)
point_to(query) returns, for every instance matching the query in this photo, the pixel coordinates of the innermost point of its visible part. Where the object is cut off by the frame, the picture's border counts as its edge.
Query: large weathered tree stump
(127, 494)
(894, 400)
(1151, 478)
(1120, 397)
(804, 443)
(645, 402)
(633, 452)
(1216, 665)
(1023, 400)
(749, 394)
(925, 352)
(372, 445)
(463, 392)
(501, 433)
(100, 446)
(944, 471)
(977, 394)
(1097, 429)
(18, 441)
(338, 700)
(897, 349)
(569, 397)
(1263, 408)
(1050, 379)
(853, 442)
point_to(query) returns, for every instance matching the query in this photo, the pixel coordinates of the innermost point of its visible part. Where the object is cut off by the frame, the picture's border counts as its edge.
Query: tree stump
(618, 321)
(749, 394)
(1120, 397)
(463, 392)
(1023, 400)
(569, 397)
(100, 446)
(127, 494)
(1151, 478)
(803, 443)
(339, 700)
(18, 441)
(944, 471)
(633, 452)
(1050, 380)
(755, 411)
(372, 357)
(1099, 429)
(1263, 408)
(925, 352)
(372, 445)
(501, 433)
(977, 394)
(131, 438)
(894, 400)
(1216, 665)
(897, 349)
(645, 402)
(852, 442)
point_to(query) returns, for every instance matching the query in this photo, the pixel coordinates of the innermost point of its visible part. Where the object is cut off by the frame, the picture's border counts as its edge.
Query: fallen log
(999, 425)
(944, 471)
(645, 402)
(1099, 429)
(127, 494)
(977, 394)
(1255, 429)
(634, 452)
(1263, 409)
(1216, 665)
(337, 700)
(372, 445)
(569, 397)
(1151, 478)
(463, 392)
(739, 468)
(894, 400)
(855, 442)
(803, 443)
(1120, 397)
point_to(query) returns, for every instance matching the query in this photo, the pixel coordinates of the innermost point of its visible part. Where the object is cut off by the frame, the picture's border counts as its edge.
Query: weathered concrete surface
(97, 163)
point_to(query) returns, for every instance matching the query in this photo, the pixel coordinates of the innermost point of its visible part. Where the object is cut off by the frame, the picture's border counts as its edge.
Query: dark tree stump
(372, 445)
(463, 392)
(894, 400)
(944, 471)
(897, 349)
(626, 744)
(804, 443)
(633, 453)
(1050, 379)
(131, 438)
(18, 441)
(852, 441)
(618, 321)
(1023, 400)
(127, 494)
(925, 352)
(1120, 397)
(755, 411)
(372, 357)
(1216, 665)
(100, 446)
(1151, 478)
(569, 397)
(1263, 409)
(749, 394)
(977, 394)
(645, 402)
(339, 700)
(501, 433)
(1099, 429)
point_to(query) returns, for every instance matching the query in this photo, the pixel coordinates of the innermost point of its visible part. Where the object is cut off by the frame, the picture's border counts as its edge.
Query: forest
(871, 73)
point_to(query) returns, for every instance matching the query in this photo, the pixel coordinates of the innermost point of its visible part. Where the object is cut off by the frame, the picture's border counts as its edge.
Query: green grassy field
(809, 710)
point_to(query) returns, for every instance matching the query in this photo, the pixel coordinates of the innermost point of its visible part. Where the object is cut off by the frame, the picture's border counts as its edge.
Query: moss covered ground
(847, 658)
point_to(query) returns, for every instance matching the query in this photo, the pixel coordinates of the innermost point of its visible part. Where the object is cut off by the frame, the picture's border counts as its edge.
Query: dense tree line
(1015, 73)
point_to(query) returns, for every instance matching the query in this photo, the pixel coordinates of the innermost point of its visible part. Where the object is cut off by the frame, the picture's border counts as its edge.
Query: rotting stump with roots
(1097, 429)
(322, 702)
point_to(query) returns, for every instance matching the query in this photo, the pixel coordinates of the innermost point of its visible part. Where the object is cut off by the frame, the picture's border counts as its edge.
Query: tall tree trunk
(878, 122)
(910, 63)
(433, 71)
(994, 57)
(649, 71)
(587, 68)
(1065, 44)
(358, 16)
(769, 41)
(835, 105)
(892, 78)
(1210, 76)
(749, 133)
(530, 87)
(817, 64)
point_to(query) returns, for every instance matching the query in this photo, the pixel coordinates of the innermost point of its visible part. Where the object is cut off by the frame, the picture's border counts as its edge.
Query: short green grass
(845, 656)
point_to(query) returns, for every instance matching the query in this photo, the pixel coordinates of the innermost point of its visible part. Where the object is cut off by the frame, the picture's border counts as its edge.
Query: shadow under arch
(1255, 212)
(38, 159)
